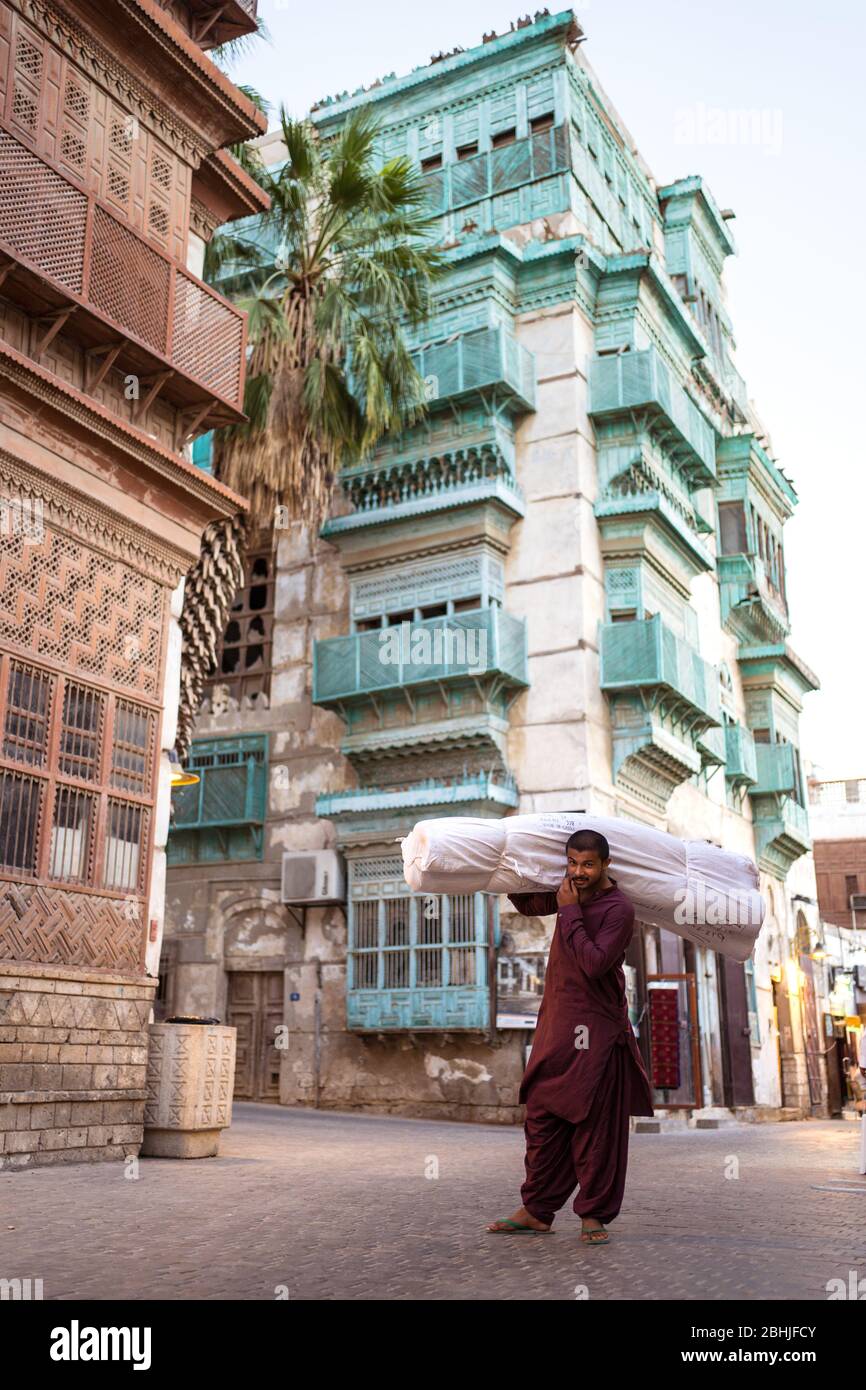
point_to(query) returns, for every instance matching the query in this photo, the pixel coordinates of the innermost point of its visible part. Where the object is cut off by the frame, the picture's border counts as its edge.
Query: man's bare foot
(520, 1218)
(593, 1232)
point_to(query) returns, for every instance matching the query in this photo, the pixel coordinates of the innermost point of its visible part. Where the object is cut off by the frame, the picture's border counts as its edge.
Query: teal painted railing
(482, 786)
(222, 816)
(479, 642)
(387, 492)
(477, 360)
(781, 829)
(629, 380)
(736, 387)
(743, 576)
(741, 763)
(496, 171)
(775, 769)
(796, 819)
(647, 653)
(232, 786)
(712, 745)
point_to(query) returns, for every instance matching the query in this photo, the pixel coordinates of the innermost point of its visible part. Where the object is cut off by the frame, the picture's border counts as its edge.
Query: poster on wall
(519, 988)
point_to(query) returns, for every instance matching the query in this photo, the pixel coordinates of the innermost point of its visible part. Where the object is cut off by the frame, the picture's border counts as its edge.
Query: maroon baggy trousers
(593, 1153)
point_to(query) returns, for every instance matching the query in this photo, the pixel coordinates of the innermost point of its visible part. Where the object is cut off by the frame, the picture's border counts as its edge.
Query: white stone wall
(553, 573)
(162, 811)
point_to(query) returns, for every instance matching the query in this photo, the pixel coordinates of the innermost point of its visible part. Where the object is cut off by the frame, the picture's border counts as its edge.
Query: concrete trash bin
(190, 1080)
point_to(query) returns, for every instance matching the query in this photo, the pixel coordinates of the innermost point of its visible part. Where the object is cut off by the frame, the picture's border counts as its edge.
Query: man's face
(585, 867)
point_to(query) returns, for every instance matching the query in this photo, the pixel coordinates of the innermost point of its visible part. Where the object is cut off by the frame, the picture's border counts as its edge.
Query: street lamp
(179, 775)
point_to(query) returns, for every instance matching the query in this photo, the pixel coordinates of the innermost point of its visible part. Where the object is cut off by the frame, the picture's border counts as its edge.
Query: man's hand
(568, 893)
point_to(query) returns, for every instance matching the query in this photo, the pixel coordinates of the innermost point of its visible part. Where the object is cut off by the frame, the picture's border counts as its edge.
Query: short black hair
(589, 839)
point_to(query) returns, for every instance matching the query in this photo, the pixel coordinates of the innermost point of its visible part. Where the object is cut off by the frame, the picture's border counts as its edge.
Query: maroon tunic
(584, 985)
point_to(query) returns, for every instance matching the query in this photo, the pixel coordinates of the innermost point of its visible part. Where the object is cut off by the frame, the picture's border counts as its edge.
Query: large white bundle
(703, 893)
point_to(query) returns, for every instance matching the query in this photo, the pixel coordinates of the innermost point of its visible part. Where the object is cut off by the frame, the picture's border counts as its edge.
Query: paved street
(339, 1206)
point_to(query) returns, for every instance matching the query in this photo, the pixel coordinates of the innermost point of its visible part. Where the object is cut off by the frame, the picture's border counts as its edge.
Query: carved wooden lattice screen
(243, 660)
(49, 100)
(81, 654)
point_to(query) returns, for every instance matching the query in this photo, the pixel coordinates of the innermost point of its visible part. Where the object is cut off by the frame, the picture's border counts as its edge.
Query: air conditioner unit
(858, 902)
(313, 876)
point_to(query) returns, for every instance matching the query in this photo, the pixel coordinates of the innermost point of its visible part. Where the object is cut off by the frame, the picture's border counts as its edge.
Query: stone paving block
(229, 1226)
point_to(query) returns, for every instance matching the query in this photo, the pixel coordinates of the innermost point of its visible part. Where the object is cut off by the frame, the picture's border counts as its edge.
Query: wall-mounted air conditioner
(858, 902)
(313, 876)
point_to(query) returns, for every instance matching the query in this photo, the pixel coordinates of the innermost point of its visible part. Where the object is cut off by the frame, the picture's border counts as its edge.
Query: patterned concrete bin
(190, 1079)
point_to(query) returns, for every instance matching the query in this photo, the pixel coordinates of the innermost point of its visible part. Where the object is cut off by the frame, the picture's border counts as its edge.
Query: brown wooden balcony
(219, 21)
(72, 265)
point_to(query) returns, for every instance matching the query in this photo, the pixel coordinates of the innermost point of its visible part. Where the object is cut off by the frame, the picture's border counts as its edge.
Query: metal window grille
(123, 846)
(29, 701)
(132, 747)
(81, 732)
(72, 826)
(20, 817)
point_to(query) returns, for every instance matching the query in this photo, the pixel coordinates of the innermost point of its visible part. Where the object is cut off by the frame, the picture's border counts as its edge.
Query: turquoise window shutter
(202, 452)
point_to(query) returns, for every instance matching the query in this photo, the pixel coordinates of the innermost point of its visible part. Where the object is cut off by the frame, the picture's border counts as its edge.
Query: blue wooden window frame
(418, 962)
(223, 815)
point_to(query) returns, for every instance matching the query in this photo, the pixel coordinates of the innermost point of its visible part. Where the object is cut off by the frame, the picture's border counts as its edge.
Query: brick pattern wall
(73, 1055)
(836, 860)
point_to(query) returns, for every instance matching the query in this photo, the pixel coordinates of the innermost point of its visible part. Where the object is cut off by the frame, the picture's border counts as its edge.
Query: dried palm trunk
(209, 593)
(283, 464)
(286, 463)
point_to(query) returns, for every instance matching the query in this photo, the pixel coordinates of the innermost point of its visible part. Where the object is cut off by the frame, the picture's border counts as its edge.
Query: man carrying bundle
(585, 1075)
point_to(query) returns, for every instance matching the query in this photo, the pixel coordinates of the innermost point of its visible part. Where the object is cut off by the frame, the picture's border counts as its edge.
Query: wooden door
(736, 1033)
(811, 1035)
(835, 1072)
(255, 1008)
(784, 1037)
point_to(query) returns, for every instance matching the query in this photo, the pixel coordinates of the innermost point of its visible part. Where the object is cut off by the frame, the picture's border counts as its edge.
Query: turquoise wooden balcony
(630, 381)
(712, 746)
(222, 816)
(646, 655)
(389, 490)
(487, 359)
(500, 792)
(781, 823)
(751, 607)
(482, 643)
(493, 172)
(781, 831)
(736, 388)
(741, 767)
(775, 769)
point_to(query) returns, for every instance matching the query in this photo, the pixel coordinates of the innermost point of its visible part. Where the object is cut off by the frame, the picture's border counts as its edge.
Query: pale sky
(796, 289)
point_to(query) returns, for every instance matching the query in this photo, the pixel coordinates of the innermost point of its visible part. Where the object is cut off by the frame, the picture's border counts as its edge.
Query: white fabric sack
(706, 894)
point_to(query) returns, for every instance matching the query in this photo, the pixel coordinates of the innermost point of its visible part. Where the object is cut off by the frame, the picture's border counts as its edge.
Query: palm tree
(329, 372)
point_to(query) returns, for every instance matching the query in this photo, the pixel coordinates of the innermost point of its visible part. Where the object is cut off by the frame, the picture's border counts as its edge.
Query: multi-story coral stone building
(113, 357)
(593, 499)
